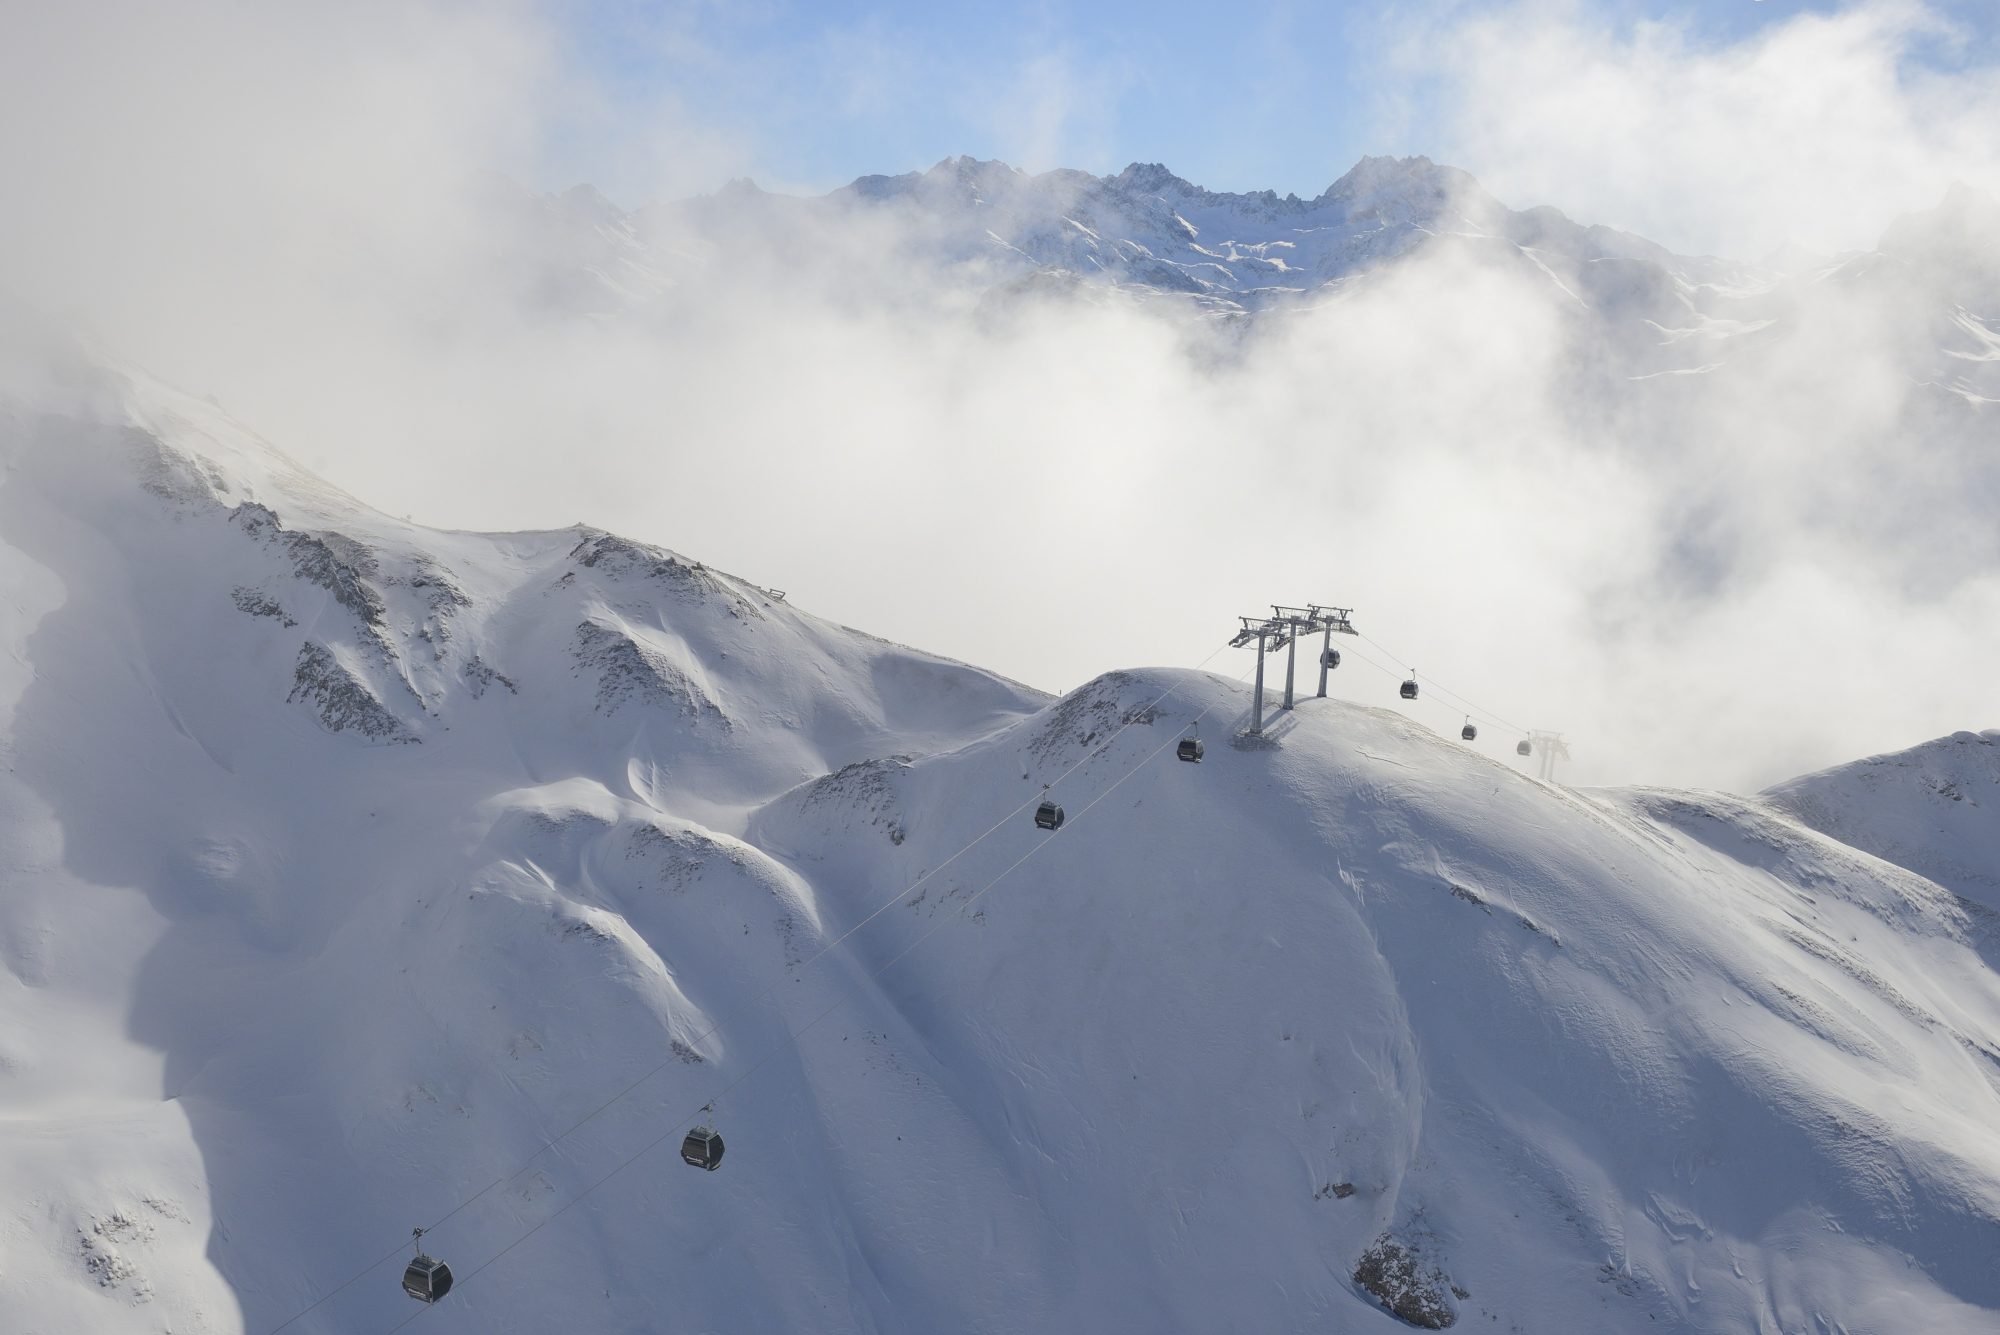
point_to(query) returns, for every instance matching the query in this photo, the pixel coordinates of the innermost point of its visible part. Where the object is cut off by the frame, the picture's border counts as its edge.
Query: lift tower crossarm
(1260, 628)
(1304, 621)
(1335, 619)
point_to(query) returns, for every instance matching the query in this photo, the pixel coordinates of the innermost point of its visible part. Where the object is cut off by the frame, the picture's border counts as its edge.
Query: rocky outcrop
(631, 673)
(342, 701)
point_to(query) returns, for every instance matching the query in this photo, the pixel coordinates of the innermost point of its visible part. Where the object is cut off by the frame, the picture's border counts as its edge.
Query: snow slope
(1934, 809)
(349, 862)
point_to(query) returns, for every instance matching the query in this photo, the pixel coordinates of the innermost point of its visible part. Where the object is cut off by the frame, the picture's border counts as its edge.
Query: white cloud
(1818, 129)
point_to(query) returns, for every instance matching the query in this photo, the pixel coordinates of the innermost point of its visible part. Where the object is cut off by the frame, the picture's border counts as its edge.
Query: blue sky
(1263, 93)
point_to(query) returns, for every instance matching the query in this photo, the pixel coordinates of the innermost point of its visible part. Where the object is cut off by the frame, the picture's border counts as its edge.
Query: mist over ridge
(1545, 460)
(1590, 481)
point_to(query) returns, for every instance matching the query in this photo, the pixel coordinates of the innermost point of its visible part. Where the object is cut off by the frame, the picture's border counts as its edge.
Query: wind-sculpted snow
(1349, 1022)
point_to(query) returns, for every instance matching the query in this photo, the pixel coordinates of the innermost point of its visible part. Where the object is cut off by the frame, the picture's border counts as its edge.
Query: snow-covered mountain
(350, 864)
(1934, 809)
(1149, 228)
(1143, 231)
(1145, 234)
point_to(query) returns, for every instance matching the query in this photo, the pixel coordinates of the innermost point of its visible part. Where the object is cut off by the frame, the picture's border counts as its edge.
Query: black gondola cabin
(1049, 816)
(1522, 748)
(427, 1279)
(1410, 689)
(1468, 732)
(702, 1149)
(1190, 749)
(1330, 659)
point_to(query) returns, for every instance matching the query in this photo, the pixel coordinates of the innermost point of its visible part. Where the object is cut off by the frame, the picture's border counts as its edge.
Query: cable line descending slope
(963, 909)
(703, 1147)
(411, 859)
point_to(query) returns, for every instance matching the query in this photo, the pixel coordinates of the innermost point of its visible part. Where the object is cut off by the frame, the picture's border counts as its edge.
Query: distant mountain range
(1147, 235)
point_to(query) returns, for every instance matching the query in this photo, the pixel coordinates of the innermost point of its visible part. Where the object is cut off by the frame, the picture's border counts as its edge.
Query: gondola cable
(792, 1039)
(797, 974)
(1472, 707)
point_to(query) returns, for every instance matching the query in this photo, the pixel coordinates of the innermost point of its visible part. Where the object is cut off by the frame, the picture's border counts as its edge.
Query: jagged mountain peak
(960, 179)
(1413, 187)
(1151, 177)
(965, 167)
(1147, 231)
(1376, 171)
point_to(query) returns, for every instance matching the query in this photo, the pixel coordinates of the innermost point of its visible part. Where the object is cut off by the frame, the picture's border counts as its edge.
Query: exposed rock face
(251, 602)
(342, 700)
(442, 599)
(631, 673)
(330, 561)
(480, 676)
(1086, 717)
(620, 558)
(866, 788)
(1399, 1278)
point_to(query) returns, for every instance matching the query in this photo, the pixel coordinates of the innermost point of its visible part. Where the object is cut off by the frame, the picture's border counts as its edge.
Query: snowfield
(349, 863)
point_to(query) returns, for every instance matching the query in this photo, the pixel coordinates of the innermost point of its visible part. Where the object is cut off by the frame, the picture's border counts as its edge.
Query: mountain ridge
(1348, 1019)
(1232, 268)
(1908, 807)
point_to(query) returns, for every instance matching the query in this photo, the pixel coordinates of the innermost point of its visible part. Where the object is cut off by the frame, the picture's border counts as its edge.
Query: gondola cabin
(1521, 748)
(1190, 750)
(702, 1149)
(1410, 689)
(1330, 659)
(426, 1278)
(1468, 732)
(1049, 816)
